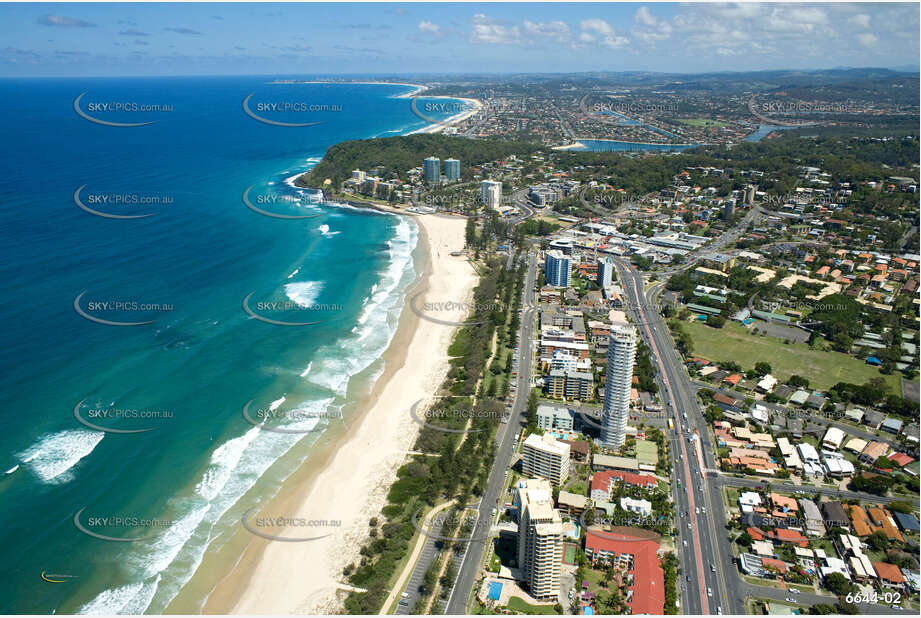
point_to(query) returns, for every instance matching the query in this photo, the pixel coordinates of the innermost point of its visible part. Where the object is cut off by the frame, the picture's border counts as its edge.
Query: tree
(838, 584)
(745, 540)
(878, 541)
(762, 368)
(798, 381)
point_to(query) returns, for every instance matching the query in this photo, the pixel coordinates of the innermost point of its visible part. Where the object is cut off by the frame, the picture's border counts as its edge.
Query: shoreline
(418, 87)
(441, 125)
(352, 472)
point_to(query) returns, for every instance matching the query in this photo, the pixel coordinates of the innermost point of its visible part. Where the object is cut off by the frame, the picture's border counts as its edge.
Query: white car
(709, 592)
(697, 511)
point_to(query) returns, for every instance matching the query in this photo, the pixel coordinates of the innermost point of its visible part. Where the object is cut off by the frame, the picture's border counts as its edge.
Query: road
(698, 514)
(495, 487)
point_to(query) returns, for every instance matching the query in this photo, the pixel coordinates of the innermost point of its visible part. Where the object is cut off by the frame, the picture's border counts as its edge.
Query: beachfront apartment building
(452, 169)
(618, 382)
(540, 539)
(545, 457)
(554, 418)
(491, 193)
(557, 268)
(431, 169)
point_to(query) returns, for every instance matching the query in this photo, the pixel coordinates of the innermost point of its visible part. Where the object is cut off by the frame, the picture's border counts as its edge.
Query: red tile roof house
(784, 535)
(889, 575)
(773, 563)
(733, 379)
(646, 593)
(901, 459)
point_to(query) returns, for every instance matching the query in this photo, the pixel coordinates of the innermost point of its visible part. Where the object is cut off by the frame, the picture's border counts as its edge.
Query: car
(794, 590)
(494, 511)
(719, 611)
(712, 568)
(790, 600)
(689, 579)
(685, 543)
(403, 602)
(697, 511)
(689, 525)
(709, 592)
(703, 510)
(404, 594)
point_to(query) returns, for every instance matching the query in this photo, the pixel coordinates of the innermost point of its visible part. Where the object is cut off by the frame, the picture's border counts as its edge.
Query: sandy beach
(474, 106)
(350, 484)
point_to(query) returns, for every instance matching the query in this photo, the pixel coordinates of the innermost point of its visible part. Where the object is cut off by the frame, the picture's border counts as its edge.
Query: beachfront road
(473, 557)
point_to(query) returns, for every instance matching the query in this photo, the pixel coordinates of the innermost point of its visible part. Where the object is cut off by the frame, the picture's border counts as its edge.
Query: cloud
(183, 31)
(598, 26)
(133, 32)
(862, 20)
(427, 26)
(599, 31)
(553, 31)
(493, 32)
(867, 39)
(68, 22)
(643, 16)
(649, 27)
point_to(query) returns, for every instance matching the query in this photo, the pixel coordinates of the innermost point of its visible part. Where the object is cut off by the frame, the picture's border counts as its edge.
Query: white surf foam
(52, 457)
(304, 293)
(274, 405)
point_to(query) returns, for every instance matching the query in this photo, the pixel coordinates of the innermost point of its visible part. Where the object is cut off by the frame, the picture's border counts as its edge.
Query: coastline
(351, 474)
(437, 127)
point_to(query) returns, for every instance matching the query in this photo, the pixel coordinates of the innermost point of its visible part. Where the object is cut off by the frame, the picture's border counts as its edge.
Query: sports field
(733, 342)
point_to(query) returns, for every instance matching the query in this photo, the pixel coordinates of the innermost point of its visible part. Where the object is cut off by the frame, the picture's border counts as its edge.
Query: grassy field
(518, 604)
(702, 122)
(733, 342)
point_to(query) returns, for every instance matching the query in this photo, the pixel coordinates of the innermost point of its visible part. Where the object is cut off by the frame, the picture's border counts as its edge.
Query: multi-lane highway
(473, 557)
(697, 512)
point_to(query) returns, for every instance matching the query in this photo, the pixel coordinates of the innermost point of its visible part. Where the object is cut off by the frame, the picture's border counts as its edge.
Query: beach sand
(349, 481)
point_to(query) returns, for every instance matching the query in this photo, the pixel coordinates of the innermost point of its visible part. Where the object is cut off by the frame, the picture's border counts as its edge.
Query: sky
(116, 39)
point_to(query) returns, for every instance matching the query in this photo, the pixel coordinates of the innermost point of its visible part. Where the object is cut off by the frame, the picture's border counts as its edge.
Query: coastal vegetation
(470, 405)
(392, 157)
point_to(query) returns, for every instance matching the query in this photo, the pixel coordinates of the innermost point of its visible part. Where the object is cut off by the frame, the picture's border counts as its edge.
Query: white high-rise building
(491, 193)
(540, 539)
(618, 381)
(545, 457)
(605, 272)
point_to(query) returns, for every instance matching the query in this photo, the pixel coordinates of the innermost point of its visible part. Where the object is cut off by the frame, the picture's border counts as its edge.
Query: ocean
(139, 324)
